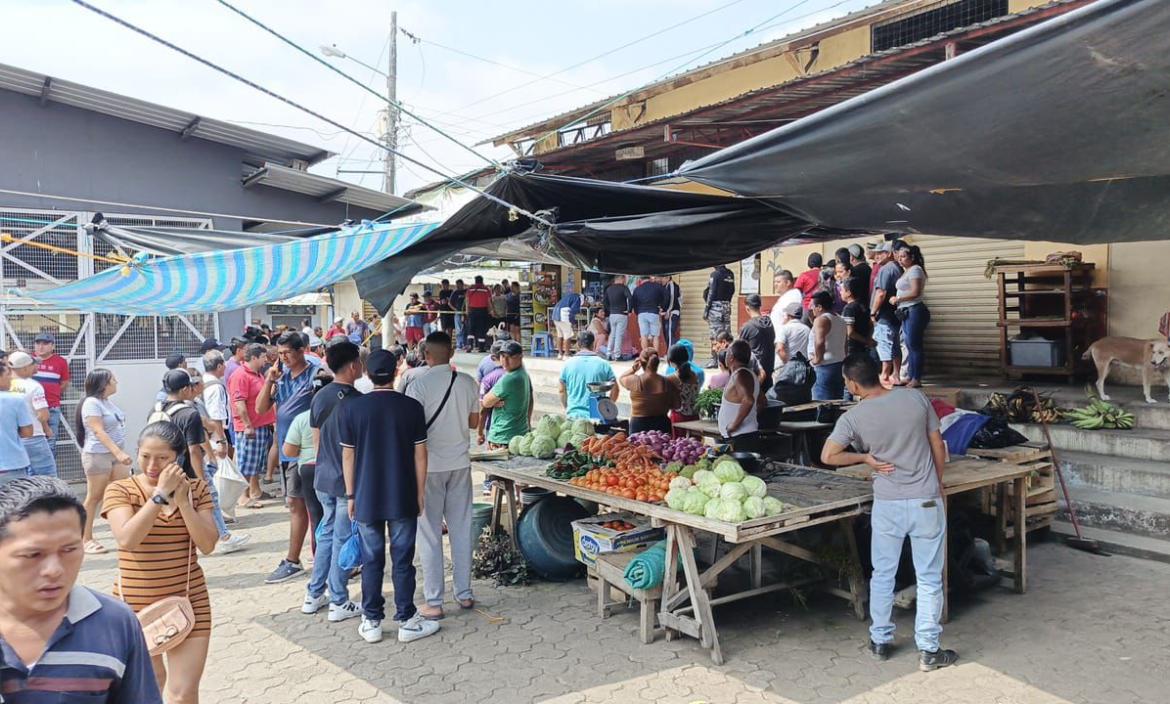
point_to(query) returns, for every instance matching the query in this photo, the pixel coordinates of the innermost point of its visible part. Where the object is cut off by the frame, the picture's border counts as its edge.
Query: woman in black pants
(299, 443)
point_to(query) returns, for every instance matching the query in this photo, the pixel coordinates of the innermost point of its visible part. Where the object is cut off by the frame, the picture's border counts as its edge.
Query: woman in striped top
(159, 517)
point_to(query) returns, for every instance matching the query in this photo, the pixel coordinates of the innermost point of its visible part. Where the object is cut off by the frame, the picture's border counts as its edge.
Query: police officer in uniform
(717, 303)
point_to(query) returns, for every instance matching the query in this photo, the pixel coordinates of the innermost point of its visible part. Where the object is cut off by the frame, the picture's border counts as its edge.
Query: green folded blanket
(647, 570)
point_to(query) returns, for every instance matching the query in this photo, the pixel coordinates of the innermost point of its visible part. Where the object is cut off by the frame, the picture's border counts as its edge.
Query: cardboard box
(591, 539)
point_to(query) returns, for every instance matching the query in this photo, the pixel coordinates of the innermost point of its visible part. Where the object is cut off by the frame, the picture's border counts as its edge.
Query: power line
(302, 108)
(398, 106)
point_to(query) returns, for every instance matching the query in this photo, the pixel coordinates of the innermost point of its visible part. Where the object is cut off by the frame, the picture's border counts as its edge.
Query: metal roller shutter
(962, 337)
(694, 328)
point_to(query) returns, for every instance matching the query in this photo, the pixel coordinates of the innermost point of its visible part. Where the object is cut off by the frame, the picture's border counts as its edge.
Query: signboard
(629, 153)
(277, 309)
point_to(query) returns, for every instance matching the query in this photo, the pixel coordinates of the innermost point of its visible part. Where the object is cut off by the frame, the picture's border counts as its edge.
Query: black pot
(750, 461)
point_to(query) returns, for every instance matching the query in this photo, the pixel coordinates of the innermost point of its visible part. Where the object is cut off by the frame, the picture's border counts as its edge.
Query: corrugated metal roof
(259, 147)
(328, 189)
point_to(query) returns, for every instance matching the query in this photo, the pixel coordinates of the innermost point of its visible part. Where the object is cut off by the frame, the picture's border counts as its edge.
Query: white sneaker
(344, 612)
(234, 543)
(312, 604)
(370, 630)
(417, 627)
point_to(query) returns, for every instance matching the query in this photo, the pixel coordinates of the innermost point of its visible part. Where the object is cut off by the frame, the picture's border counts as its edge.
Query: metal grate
(27, 265)
(942, 17)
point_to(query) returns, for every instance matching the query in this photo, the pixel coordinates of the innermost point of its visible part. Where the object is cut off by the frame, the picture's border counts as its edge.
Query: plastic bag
(229, 484)
(351, 556)
(794, 381)
(997, 433)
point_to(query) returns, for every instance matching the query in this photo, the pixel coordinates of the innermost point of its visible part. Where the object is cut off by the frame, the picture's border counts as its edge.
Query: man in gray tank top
(896, 432)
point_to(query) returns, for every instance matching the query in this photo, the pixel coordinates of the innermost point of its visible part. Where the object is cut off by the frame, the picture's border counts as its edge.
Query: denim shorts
(889, 340)
(649, 325)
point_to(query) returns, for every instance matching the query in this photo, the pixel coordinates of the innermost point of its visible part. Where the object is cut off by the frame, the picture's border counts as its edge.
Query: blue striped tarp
(229, 280)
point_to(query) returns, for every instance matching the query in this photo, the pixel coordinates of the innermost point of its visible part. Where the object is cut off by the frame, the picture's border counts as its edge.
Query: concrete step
(1147, 415)
(1118, 542)
(1116, 474)
(1129, 513)
(1137, 443)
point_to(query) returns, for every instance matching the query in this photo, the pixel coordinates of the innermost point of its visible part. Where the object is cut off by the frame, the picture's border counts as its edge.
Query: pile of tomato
(639, 484)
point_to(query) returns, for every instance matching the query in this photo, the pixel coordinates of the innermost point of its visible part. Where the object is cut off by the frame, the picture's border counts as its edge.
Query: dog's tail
(1088, 352)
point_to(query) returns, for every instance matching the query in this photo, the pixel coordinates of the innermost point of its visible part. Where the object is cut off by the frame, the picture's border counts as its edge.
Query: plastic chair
(541, 344)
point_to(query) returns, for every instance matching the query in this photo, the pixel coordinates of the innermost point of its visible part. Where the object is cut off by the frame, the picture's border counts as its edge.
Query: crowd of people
(467, 314)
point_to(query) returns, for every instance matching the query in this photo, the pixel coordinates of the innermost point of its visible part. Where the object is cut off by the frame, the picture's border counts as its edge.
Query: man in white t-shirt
(40, 454)
(789, 294)
(448, 488)
(791, 334)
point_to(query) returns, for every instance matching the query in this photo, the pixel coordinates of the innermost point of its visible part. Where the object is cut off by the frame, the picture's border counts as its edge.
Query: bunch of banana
(1099, 414)
(1048, 413)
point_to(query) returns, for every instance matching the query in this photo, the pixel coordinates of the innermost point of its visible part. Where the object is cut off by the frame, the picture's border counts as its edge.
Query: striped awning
(229, 280)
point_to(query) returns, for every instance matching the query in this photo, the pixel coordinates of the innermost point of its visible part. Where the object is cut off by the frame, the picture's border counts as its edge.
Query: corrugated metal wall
(963, 337)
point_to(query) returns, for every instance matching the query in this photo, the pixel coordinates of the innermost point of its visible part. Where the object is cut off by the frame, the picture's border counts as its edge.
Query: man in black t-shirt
(761, 337)
(861, 269)
(446, 320)
(717, 304)
(344, 360)
(457, 300)
(179, 409)
(617, 304)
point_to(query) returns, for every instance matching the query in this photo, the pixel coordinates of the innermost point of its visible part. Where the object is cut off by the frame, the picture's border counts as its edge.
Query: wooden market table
(816, 497)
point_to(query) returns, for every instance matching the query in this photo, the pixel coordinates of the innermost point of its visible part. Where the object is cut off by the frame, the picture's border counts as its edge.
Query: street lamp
(333, 52)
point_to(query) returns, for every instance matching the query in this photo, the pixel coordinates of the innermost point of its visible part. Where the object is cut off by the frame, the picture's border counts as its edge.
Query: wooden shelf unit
(1056, 301)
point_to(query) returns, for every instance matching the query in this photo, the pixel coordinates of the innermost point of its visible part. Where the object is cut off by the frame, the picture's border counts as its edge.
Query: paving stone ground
(1091, 629)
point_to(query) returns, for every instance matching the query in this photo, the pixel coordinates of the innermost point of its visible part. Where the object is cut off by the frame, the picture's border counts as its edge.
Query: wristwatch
(160, 500)
(349, 497)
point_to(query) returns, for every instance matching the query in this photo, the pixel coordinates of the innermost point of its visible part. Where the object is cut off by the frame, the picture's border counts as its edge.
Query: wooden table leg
(1021, 536)
(1001, 518)
(670, 578)
(946, 576)
(508, 491)
(757, 565)
(496, 524)
(708, 635)
(856, 581)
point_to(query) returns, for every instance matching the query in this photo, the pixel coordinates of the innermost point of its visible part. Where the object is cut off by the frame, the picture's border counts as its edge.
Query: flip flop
(433, 617)
(252, 503)
(466, 603)
(93, 547)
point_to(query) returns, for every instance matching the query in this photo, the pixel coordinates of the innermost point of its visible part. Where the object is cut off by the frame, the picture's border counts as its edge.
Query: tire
(545, 535)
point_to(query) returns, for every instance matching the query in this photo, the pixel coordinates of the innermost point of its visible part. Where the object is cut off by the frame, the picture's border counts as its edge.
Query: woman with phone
(159, 518)
(652, 396)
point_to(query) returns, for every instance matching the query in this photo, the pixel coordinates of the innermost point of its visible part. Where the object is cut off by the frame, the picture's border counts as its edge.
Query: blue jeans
(216, 511)
(55, 426)
(41, 462)
(889, 343)
(402, 534)
(913, 333)
(617, 334)
(830, 383)
(460, 338)
(925, 522)
(332, 531)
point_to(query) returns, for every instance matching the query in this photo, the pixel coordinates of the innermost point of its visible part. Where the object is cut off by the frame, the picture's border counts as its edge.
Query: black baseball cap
(211, 344)
(175, 360)
(511, 348)
(380, 366)
(176, 380)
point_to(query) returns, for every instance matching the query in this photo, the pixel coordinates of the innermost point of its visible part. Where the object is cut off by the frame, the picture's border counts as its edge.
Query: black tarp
(598, 225)
(1058, 132)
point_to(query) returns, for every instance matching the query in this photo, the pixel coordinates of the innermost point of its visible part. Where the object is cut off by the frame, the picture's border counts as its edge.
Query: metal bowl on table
(600, 387)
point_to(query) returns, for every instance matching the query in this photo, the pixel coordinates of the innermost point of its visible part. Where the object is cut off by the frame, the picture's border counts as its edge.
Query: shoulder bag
(443, 403)
(168, 621)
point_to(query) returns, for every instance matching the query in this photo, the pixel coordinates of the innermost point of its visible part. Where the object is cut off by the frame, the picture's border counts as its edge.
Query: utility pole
(391, 110)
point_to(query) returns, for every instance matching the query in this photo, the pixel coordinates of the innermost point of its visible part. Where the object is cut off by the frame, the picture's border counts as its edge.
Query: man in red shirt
(478, 299)
(53, 374)
(810, 281)
(254, 430)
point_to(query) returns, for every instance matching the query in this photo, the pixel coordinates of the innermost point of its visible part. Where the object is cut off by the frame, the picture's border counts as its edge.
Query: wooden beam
(45, 88)
(190, 128)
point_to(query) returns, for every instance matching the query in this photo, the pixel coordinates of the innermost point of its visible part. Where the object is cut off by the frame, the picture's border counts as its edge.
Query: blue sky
(471, 98)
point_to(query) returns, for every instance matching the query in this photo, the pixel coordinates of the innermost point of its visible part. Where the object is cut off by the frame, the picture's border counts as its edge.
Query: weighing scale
(602, 409)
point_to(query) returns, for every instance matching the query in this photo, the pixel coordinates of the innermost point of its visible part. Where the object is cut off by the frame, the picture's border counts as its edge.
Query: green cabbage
(712, 508)
(543, 447)
(525, 446)
(733, 491)
(709, 485)
(680, 483)
(514, 445)
(548, 425)
(697, 477)
(582, 426)
(689, 471)
(673, 467)
(729, 510)
(728, 470)
(773, 506)
(676, 499)
(696, 502)
(754, 486)
(579, 439)
(704, 463)
(753, 507)
(565, 438)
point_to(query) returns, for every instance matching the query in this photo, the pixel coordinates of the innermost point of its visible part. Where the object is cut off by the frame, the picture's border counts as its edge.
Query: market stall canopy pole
(617, 228)
(1059, 132)
(229, 280)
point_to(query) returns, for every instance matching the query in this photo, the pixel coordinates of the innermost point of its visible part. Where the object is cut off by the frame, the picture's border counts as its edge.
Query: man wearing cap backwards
(53, 374)
(887, 328)
(179, 408)
(383, 436)
(40, 456)
(174, 360)
(510, 400)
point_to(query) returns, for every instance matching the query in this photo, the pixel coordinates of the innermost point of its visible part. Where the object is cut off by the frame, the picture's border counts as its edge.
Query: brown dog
(1148, 355)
